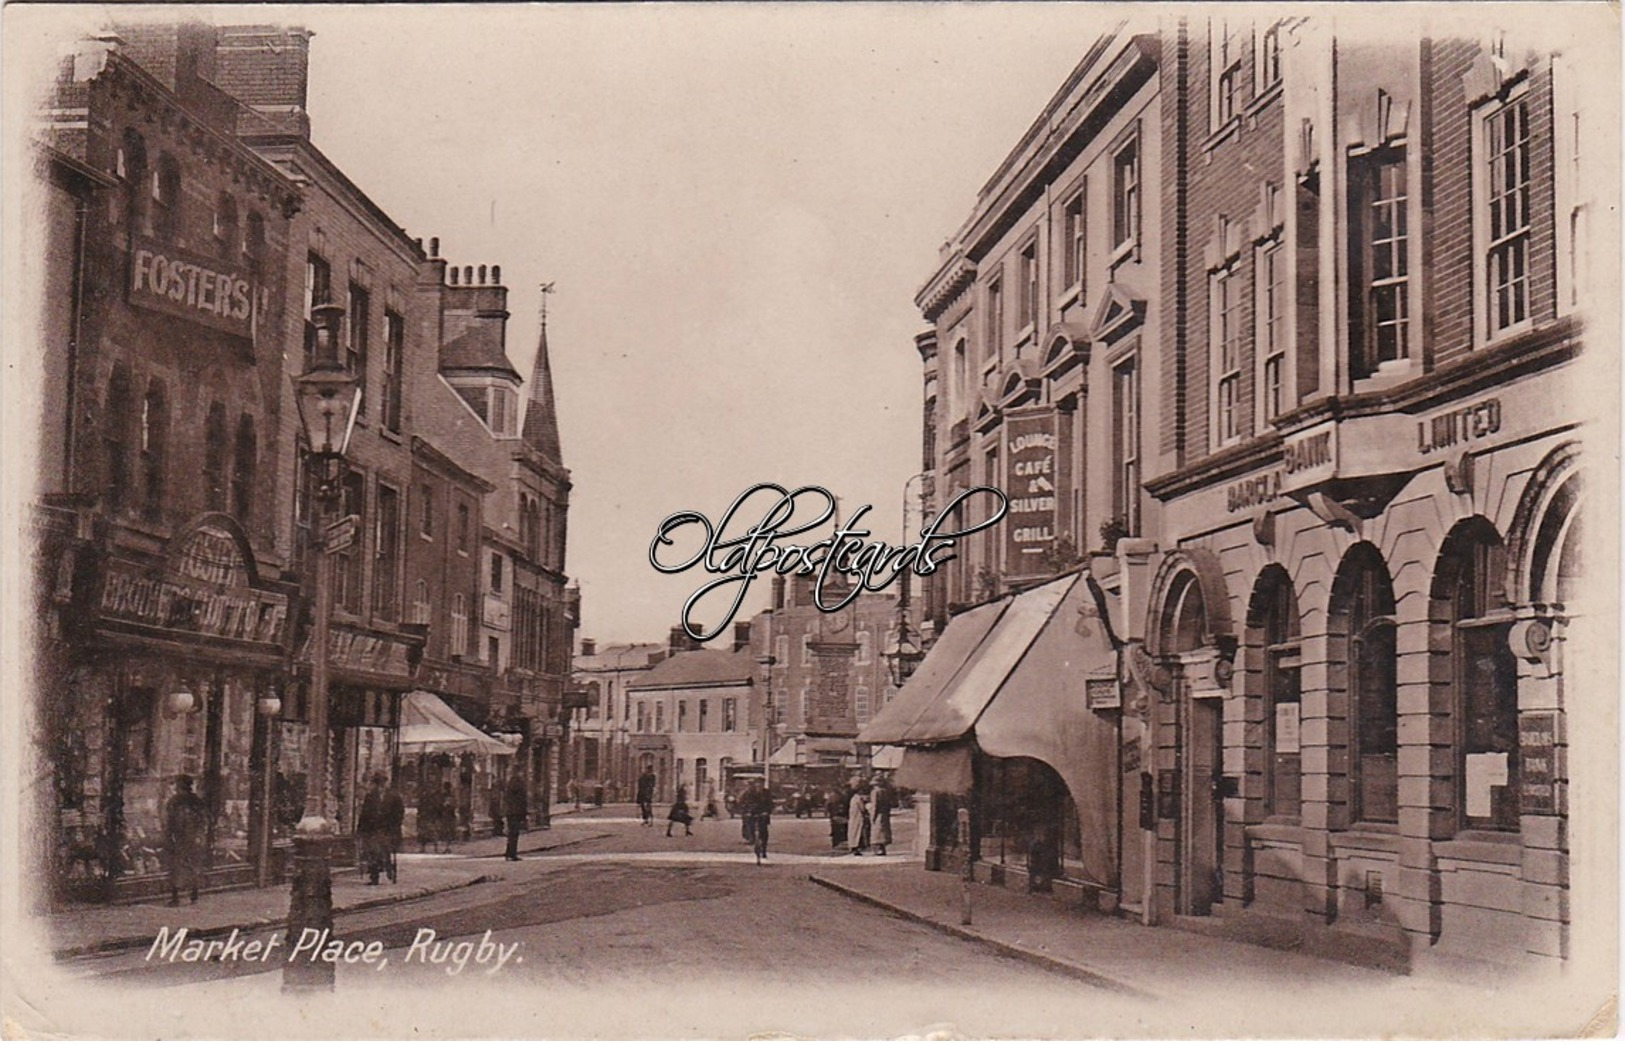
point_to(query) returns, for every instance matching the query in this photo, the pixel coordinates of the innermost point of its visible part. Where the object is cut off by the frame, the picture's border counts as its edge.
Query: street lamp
(767, 662)
(328, 397)
(903, 651)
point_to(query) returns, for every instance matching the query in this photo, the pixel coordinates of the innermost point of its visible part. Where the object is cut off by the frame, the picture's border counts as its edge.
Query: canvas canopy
(429, 727)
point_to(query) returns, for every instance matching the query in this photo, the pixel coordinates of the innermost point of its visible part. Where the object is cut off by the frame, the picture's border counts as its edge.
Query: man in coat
(515, 808)
(646, 797)
(882, 800)
(379, 828)
(185, 824)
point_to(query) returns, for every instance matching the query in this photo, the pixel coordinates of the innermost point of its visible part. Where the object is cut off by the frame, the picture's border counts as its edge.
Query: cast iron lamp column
(328, 397)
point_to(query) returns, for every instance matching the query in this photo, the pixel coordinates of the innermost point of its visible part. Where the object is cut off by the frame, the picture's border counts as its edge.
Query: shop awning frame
(430, 727)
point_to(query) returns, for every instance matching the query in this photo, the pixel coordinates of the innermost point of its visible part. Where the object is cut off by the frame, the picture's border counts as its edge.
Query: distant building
(601, 732)
(694, 715)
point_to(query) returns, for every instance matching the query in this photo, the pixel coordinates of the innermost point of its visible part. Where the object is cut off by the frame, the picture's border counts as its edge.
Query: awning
(429, 727)
(943, 770)
(785, 755)
(886, 756)
(942, 700)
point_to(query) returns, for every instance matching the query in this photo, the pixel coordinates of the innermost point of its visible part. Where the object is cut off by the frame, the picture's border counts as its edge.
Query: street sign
(552, 729)
(341, 534)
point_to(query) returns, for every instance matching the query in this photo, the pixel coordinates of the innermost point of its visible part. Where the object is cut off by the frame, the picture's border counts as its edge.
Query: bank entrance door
(1202, 818)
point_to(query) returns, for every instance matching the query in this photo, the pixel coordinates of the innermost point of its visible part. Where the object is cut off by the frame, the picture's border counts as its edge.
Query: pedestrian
(379, 828)
(493, 809)
(679, 812)
(446, 830)
(835, 806)
(882, 800)
(429, 814)
(756, 812)
(646, 797)
(711, 812)
(857, 825)
(515, 808)
(185, 823)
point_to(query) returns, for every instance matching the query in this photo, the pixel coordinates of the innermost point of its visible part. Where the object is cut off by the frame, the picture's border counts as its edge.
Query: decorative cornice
(951, 280)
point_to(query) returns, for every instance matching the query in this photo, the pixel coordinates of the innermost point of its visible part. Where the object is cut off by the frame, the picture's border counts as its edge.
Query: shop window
(1380, 313)
(388, 551)
(244, 468)
(166, 198)
(1126, 447)
(394, 362)
(1126, 192)
(1367, 596)
(1505, 218)
(214, 458)
(358, 332)
(1074, 243)
(154, 448)
(1484, 675)
(1282, 661)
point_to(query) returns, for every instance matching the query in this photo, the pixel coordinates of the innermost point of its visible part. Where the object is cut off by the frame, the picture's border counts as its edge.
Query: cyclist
(756, 809)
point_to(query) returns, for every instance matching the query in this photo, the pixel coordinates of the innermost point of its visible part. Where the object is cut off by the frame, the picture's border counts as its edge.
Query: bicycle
(756, 825)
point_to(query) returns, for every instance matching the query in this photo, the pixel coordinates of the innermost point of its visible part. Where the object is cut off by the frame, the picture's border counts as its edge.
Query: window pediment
(1064, 345)
(1117, 314)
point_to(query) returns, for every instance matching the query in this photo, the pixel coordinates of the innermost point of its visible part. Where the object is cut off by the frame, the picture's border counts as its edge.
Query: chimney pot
(496, 274)
(452, 272)
(468, 275)
(482, 275)
(434, 246)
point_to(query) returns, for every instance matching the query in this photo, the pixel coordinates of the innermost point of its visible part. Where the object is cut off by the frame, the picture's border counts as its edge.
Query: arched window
(225, 223)
(245, 462)
(1469, 592)
(116, 438)
(1274, 624)
(154, 447)
(1555, 570)
(214, 459)
(1185, 619)
(166, 198)
(1366, 600)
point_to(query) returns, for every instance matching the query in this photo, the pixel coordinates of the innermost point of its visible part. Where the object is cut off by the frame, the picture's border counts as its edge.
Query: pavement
(87, 929)
(1102, 950)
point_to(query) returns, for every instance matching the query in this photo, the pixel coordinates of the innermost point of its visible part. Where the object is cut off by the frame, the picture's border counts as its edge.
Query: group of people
(860, 815)
(437, 819)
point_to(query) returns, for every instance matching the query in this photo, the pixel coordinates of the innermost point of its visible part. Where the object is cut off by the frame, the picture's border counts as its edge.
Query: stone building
(695, 714)
(165, 621)
(600, 733)
(1327, 435)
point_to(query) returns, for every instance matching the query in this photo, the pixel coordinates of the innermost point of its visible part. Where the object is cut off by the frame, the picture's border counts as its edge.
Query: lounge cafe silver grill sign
(217, 293)
(1029, 450)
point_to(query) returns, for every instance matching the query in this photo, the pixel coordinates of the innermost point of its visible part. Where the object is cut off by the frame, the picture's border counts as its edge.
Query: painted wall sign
(1455, 427)
(1029, 444)
(1537, 763)
(363, 651)
(166, 278)
(182, 604)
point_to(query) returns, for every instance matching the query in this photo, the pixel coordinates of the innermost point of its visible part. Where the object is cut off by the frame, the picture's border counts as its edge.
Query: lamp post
(328, 397)
(767, 661)
(903, 651)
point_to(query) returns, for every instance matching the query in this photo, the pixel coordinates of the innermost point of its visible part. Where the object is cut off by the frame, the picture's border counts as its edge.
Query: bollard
(969, 873)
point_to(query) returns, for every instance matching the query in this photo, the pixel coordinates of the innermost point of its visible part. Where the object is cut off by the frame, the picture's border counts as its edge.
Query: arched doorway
(1186, 648)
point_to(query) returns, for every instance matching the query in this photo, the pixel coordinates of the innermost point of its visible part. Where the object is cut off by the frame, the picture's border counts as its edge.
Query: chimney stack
(741, 636)
(680, 642)
(589, 647)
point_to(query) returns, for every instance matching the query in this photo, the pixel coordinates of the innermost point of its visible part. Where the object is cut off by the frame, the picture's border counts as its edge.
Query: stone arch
(1189, 593)
(186, 547)
(1270, 676)
(1362, 685)
(1544, 541)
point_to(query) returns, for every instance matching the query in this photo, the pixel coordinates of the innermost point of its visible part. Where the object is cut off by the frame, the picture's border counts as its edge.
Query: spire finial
(546, 289)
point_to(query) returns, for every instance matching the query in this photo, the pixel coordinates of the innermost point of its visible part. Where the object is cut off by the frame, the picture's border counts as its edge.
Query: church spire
(541, 429)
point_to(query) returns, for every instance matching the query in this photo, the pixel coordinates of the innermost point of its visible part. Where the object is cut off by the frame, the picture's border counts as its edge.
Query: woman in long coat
(679, 812)
(857, 821)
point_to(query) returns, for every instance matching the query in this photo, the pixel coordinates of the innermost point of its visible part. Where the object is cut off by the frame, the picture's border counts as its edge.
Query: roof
(477, 348)
(541, 426)
(706, 667)
(620, 656)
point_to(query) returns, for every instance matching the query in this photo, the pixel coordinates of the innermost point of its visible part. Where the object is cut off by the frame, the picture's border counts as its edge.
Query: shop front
(1013, 717)
(439, 749)
(176, 669)
(1358, 644)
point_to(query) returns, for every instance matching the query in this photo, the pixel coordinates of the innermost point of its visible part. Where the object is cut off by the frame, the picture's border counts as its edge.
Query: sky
(736, 205)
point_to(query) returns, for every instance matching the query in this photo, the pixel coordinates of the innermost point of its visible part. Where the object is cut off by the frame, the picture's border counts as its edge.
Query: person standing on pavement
(185, 823)
(857, 821)
(515, 808)
(882, 800)
(379, 828)
(679, 812)
(646, 797)
(756, 811)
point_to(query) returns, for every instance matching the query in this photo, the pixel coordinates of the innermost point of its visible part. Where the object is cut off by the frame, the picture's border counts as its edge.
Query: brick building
(165, 619)
(1334, 461)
